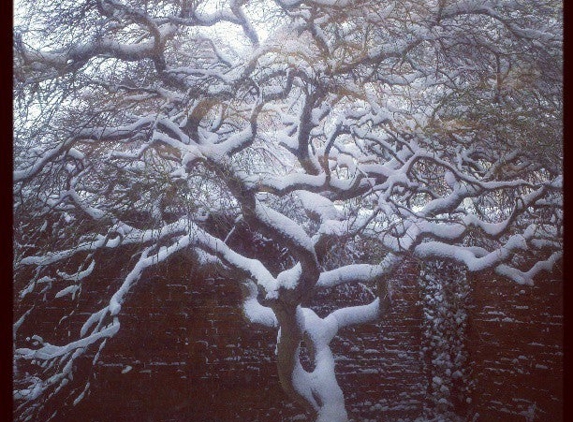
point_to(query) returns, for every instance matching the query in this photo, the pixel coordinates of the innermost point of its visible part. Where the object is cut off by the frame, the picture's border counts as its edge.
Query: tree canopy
(351, 134)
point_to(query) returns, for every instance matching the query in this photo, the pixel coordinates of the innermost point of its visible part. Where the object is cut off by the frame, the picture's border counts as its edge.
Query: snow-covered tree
(351, 134)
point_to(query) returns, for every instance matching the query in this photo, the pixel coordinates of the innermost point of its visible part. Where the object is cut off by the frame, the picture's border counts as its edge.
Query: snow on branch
(356, 273)
(355, 315)
(254, 311)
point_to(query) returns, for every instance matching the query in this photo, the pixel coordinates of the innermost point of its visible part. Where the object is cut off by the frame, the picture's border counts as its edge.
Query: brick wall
(185, 353)
(516, 348)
